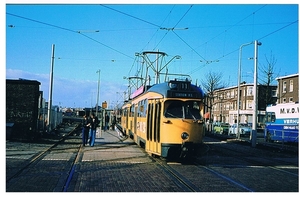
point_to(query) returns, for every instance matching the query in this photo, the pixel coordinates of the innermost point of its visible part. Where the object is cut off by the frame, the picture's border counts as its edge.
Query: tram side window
(125, 112)
(142, 108)
(131, 113)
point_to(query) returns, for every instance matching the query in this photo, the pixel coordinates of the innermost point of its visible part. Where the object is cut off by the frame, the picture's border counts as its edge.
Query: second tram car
(282, 123)
(165, 119)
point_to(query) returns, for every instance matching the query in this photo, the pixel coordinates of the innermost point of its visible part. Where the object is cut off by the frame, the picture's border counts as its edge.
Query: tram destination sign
(182, 94)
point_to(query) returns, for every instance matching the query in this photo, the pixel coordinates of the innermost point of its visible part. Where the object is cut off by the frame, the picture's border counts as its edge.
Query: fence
(56, 119)
(282, 135)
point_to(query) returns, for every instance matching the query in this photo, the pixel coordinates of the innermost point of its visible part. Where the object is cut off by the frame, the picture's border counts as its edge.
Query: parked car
(221, 128)
(243, 128)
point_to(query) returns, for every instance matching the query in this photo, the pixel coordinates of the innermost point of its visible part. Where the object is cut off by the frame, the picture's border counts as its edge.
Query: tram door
(126, 118)
(153, 144)
(135, 120)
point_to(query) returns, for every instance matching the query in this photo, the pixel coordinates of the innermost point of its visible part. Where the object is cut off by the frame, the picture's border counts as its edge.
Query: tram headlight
(184, 136)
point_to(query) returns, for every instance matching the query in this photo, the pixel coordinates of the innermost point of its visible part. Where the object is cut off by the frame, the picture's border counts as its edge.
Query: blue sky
(207, 37)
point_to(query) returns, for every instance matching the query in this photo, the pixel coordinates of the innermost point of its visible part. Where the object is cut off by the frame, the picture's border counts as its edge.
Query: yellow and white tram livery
(165, 119)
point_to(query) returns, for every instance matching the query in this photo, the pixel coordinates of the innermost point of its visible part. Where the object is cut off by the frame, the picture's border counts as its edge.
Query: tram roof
(163, 89)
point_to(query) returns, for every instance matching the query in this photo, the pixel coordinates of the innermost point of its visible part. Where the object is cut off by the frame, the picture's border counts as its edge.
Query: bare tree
(268, 77)
(211, 82)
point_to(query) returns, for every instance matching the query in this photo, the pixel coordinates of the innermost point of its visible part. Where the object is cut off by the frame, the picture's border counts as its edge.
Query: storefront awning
(206, 115)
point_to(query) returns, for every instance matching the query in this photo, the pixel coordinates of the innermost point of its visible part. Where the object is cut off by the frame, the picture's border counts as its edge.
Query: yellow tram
(165, 119)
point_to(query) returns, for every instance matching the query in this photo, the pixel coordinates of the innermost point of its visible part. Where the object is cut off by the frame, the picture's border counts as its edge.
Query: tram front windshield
(182, 109)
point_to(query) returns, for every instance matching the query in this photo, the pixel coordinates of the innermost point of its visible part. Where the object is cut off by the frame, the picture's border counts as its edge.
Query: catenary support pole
(255, 102)
(50, 91)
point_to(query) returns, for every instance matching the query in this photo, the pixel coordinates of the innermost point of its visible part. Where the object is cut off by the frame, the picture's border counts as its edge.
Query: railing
(56, 119)
(282, 135)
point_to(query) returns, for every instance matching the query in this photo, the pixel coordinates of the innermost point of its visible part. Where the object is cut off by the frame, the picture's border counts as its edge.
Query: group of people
(89, 129)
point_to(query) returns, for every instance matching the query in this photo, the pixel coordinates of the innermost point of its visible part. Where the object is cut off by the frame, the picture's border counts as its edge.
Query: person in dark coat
(106, 122)
(93, 126)
(85, 130)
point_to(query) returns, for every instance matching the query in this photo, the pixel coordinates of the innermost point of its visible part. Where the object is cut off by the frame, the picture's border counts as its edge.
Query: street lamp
(254, 118)
(50, 91)
(98, 92)
(239, 82)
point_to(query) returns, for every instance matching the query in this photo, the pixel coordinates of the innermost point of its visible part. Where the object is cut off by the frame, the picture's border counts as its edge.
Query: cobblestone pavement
(116, 165)
(111, 165)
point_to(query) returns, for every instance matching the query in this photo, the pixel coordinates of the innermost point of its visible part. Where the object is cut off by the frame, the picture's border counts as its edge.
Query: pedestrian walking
(85, 130)
(93, 126)
(114, 122)
(106, 122)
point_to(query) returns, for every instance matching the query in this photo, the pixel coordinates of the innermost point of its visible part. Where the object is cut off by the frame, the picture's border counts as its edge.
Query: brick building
(224, 103)
(288, 89)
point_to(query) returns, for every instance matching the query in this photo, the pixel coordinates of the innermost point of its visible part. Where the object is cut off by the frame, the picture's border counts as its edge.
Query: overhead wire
(189, 46)
(137, 18)
(70, 30)
(159, 27)
(183, 15)
(225, 31)
(168, 29)
(277, 30)
(230, 27)
(261, 38)
(48, 24)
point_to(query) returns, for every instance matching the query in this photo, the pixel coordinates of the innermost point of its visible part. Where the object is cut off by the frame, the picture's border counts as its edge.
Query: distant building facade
(288, 89)
(224, 103)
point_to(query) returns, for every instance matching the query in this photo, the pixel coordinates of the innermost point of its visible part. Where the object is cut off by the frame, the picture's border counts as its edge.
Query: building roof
(288, 76)
(242, 85)
(22, 81)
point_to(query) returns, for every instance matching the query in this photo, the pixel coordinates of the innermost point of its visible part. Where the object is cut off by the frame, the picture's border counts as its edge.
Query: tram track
(234, 158)
(256, 156)
(228, 160)
(179, 179)
(32, 164)
(222, 167)
(187, 182)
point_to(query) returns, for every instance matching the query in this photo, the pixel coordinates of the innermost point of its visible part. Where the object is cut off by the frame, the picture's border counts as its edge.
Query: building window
(283, 100)
(291, 85)
(228, 94)
(215, 96)
(284, 87)
(249, 91)
(290, 99)
(274, 93)
(249, 104)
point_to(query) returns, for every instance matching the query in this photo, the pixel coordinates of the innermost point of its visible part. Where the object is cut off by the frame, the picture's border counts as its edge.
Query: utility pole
(254, 118)
(98, 93)
(50, 90)
(238, 90)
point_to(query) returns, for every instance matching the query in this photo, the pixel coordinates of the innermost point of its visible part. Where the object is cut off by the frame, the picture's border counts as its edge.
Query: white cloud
(72, 93)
